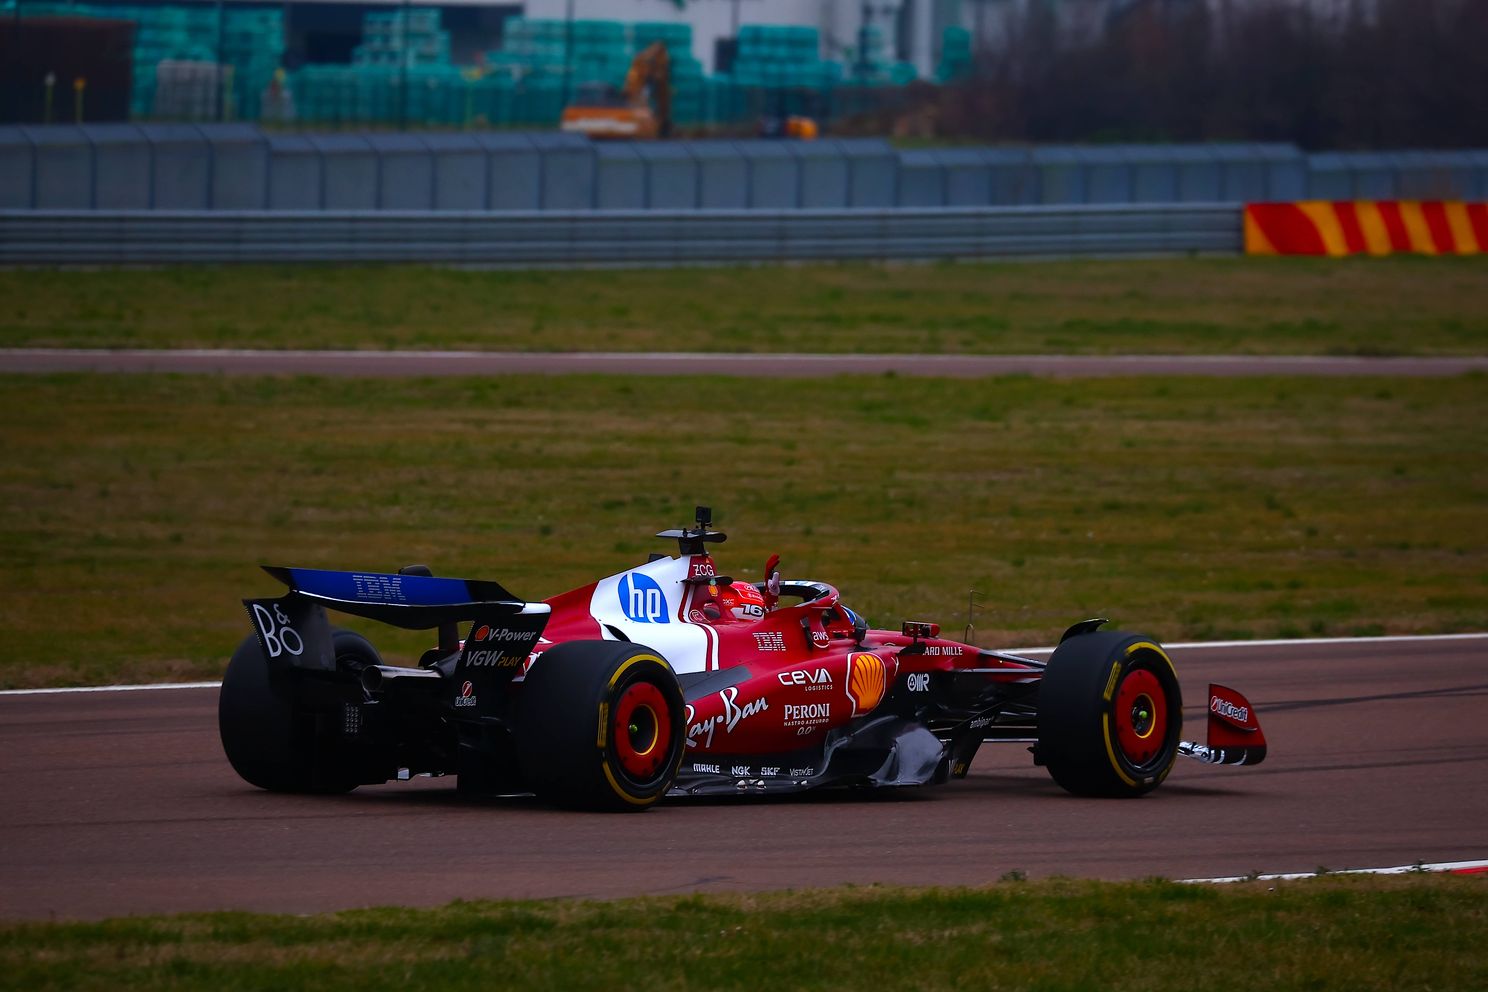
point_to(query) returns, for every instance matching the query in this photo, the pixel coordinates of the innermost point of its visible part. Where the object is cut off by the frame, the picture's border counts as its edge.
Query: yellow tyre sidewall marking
(1111, 751)
(1106, 717)
(604, 730)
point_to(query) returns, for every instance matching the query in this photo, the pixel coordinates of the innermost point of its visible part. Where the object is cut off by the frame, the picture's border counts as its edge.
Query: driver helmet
(741, 601)
(842, 622)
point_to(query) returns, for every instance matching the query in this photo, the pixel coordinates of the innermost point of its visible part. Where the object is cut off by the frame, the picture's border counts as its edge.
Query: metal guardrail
(642, 238)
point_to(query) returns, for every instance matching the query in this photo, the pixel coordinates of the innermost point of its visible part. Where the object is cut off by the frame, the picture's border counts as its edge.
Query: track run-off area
(773, 365)
(121, 802)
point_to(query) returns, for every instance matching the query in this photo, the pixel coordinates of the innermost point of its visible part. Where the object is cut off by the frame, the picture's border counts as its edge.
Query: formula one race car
(671, 679)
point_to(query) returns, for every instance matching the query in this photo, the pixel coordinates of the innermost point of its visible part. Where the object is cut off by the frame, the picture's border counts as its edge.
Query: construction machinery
(790, 126)
(641, 109)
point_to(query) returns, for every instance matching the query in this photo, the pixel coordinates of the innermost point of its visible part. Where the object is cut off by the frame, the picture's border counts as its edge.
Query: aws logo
(641, 599)
(867, 678)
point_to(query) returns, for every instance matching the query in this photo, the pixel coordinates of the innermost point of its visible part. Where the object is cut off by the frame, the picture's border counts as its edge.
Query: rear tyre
(1109, 714)
(600, 725)
(269, 740)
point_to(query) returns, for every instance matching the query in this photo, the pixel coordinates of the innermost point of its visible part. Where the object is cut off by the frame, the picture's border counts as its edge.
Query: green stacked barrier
(398, 47)
(533, 42)
(491, 99)
(535, 58)
(541, 62)
(782, 57)
(601, 53)
(524, 77)
(530, 47)
(955, 55)
(872, 67)
(723, 101)
(390, 39)
(253, 45)
(436, 95)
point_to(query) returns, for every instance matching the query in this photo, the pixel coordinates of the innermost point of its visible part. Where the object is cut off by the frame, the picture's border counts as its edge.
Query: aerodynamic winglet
(1234, 732)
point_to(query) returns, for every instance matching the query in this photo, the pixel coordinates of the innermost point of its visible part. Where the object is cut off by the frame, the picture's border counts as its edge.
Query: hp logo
(641, 599)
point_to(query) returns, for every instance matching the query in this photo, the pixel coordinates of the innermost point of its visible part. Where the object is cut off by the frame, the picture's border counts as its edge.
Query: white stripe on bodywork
(688, 646)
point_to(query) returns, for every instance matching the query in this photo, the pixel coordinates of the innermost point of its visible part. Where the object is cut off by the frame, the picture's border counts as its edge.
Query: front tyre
(600, 725)
(1109, 714)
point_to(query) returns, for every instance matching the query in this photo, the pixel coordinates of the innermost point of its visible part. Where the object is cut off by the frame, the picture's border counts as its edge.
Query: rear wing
(293, 628)
(413, 602)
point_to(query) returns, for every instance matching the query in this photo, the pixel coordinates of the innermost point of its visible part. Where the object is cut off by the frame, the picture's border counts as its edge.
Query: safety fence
(650, 238)
(241, 167)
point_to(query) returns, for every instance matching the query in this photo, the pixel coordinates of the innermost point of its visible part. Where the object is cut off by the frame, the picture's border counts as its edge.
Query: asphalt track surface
(484, 363)
(121, 802)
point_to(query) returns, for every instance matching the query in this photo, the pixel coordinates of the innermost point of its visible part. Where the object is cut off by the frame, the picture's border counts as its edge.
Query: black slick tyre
(600, 725)
(272, 742)
(1109, 714)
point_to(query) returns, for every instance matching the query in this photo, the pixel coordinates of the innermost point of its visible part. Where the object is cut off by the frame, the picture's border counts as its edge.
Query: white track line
(110, 688)
(1187, 646)
(1280, 642)
(1297, 642)
(1462, 867)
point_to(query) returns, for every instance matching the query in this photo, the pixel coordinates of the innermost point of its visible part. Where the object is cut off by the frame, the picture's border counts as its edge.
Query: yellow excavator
(642, 109)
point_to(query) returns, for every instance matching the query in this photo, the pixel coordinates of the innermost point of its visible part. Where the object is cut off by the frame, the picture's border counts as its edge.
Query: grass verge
(139, 506)
(1397, 305)
(1395, 934)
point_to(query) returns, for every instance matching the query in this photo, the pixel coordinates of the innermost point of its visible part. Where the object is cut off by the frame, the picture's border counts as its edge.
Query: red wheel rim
(1141, 715)
(642, 731)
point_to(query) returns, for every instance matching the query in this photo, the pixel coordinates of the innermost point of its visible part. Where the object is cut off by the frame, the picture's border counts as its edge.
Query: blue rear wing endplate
(414, 602)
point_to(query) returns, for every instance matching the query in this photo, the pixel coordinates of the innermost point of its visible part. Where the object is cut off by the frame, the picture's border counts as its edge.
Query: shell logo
(867, 678)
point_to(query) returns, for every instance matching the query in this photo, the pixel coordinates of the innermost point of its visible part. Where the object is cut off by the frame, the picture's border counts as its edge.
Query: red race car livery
(670, 678)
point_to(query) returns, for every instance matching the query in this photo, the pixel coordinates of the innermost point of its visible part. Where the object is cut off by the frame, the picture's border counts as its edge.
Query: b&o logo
(278, 635)
(641, 599)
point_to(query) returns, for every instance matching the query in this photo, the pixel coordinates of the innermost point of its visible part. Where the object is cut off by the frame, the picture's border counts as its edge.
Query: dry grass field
(1399, 305)
(1399, 934)
(138, 507)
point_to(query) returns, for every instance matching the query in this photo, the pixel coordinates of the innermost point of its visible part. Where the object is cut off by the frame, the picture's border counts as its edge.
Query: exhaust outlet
(384, 678)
